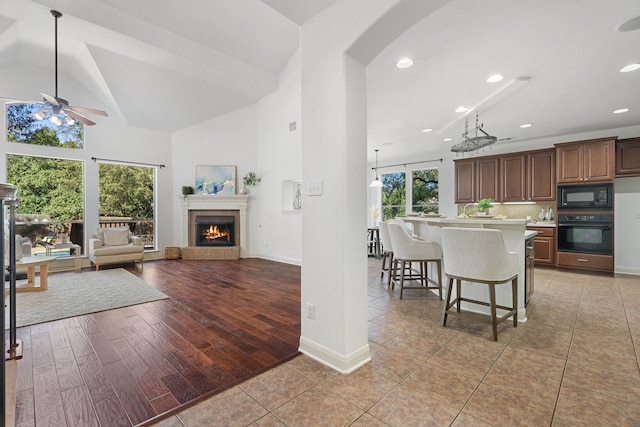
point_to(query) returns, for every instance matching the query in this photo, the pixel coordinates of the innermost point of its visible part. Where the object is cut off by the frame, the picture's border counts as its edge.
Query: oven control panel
(585, 218)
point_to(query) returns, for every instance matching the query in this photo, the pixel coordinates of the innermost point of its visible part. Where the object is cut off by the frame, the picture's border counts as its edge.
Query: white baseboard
(344, 364)
(627, 270)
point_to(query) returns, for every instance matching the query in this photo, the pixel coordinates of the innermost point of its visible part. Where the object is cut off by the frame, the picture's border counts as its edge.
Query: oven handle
(598, 225)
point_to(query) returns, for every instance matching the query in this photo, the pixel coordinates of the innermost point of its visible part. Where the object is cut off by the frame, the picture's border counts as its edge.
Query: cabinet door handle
(582, 260)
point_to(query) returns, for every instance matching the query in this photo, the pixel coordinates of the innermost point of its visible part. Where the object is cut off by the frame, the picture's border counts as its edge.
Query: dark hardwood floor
(224, 322)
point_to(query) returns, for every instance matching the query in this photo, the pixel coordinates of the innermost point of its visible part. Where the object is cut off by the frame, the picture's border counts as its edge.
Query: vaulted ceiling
(167, 65)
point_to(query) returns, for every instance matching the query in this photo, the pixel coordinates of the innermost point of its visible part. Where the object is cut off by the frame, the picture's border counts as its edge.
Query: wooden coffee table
(31, 262)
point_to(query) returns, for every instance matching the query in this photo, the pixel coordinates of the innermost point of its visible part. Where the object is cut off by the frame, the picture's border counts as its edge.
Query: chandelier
(473, 141)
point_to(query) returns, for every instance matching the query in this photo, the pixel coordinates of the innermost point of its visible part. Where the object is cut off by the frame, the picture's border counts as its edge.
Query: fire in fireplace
(215, 231)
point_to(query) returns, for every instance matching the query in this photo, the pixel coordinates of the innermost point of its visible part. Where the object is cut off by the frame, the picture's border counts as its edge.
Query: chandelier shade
(376, 183)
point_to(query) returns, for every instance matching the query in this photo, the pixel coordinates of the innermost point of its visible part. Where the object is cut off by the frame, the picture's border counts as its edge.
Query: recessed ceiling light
(462, 109)
(630, 67)
(404, 63)
(448, 139)
(426, 130)
(495, 78)
(620, 111)
(526, 125)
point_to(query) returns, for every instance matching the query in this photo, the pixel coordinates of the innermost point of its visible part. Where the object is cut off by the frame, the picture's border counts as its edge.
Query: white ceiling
(167, 65)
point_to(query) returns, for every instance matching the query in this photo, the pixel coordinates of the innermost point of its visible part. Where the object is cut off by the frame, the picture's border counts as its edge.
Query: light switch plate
(314, 188)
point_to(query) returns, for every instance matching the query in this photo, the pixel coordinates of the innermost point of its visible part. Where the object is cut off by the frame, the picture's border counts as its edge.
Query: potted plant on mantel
(483, 206)
(186, 190)
(249, 180)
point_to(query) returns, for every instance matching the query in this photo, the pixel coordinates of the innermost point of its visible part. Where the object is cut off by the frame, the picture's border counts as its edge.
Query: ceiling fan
(59, 106)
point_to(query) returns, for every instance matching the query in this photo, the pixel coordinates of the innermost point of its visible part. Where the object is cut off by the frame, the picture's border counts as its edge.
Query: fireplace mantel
(215, 202)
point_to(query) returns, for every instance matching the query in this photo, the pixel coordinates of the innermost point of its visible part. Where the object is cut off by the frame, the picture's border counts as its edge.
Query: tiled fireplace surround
(233, 205)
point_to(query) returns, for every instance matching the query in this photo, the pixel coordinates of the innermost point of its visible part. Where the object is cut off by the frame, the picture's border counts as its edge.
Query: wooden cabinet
(528, 176)
(465, 176)
(586, 161)
(541, 165)
(513, 174)
(488, 178)
(586, 261)
(476, 179)
(544, 245)
(628, 157)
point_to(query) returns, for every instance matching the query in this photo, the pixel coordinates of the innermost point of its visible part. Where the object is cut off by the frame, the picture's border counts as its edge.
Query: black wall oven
(585, 196)
(590, 233)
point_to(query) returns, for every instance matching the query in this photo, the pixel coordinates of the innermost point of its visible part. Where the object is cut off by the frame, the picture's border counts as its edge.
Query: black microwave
(585, 196)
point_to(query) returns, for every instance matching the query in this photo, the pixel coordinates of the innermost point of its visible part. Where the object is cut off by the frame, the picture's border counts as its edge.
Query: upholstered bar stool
(387, 252)
(479, 255)
(407, 250)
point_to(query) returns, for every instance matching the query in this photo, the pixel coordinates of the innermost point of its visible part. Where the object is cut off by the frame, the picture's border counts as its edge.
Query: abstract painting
(215, 179)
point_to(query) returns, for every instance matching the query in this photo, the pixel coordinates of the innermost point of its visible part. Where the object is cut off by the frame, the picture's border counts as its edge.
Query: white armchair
(115, 245)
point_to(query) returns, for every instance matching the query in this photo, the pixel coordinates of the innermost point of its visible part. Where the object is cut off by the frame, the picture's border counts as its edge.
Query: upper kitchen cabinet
(465, 181)
(586, 161)
(528, 176)
(476, 179)
(628, 157)
(542, 175)
(513, 174)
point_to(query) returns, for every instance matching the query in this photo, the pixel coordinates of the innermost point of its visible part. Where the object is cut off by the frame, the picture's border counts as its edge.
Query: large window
(393, 195)
(51, 193)
(424, 191)
(29, 124)
(126, 198)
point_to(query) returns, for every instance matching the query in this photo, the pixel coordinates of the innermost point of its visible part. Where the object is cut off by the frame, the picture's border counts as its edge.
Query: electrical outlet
(311, 311)
(314, 188)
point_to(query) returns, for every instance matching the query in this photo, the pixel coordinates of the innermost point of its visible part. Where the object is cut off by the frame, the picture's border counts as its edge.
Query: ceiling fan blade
(86, 110)
(50, 99)
(78, 117)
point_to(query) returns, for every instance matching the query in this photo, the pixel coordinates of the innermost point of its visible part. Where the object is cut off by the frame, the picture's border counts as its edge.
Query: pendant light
(376, 183)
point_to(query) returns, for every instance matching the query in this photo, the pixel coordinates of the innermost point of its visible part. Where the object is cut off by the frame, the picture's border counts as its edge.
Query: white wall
(255, 138)
(110, 138)
(627, 225)
(279, 229)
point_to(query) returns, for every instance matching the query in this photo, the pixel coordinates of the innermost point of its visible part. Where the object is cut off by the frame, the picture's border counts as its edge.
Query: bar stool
(387, 253)
(407, 250)
(479, 255)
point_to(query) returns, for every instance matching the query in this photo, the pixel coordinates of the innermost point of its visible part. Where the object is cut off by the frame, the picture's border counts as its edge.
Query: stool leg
(447, 302)
(458, 294)
(492, 302)
(393, 264)
(439, 264)
(384, 263)
(514, 292)
(402, 267)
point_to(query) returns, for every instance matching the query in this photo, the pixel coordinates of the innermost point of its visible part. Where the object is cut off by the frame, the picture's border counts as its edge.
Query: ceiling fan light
(39, 115)
(55, 120)
(69, 120)
(629, 68)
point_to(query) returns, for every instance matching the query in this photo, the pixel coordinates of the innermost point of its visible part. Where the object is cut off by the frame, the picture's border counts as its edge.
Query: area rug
(72, 294)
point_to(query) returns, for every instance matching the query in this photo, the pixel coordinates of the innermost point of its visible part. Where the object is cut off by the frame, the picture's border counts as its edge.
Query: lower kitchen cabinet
(545, 245)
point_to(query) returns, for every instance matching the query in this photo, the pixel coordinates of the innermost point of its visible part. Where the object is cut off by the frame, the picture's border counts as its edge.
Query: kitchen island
(515, 234)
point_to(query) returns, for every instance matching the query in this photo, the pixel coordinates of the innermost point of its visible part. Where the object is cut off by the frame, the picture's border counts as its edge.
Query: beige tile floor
(573, 363)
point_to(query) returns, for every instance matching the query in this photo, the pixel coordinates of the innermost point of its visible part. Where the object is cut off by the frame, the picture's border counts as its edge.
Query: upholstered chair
(408, 250)
(479, 255)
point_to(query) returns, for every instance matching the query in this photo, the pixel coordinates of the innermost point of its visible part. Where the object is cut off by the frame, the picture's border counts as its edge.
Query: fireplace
(214, 227)
(214, 230)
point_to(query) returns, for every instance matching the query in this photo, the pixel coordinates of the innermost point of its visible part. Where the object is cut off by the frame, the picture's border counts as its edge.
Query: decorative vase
(243, 190)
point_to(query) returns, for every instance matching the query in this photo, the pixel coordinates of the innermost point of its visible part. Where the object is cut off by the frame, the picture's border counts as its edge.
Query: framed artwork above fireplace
(214, 179)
